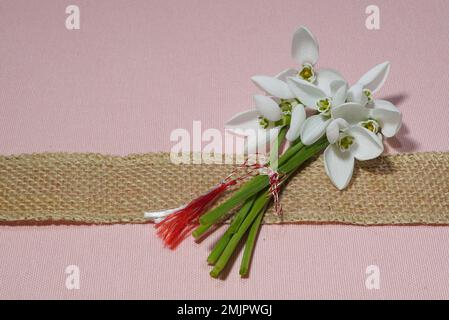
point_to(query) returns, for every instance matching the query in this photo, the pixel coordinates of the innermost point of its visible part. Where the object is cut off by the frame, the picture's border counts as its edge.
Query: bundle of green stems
(253, 197)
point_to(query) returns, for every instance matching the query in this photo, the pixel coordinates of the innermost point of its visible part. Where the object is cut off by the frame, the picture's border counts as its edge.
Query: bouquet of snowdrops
(346, 123)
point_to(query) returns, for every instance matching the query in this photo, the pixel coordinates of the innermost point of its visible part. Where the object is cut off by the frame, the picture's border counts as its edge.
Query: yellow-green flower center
(287, 105)
(264, 122)
(307, 72)
(324, 106)
(345, 142)
(368, 94)
(283, 121)
(371, 125)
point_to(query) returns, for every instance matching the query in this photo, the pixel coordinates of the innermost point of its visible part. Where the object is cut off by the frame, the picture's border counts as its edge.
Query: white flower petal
(366, 144)
(267, 107)
(333, 129)
(339, 166)
(260, 141)
(314, 128)
(332, 132)
(384, 104)
(324, 77)
(273, 87)
(339, 90)
(306, 92)
(388, 116)
(352, 112)
(284, 75)
(298, 118)
(356, 94)
(304, 47)
(243, 123)
(375, 78)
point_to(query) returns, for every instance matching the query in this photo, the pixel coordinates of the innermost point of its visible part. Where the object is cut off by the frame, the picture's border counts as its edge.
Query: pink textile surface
(137, 70)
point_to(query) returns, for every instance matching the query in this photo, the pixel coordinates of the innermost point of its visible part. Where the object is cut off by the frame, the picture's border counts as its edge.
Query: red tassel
(178, 225)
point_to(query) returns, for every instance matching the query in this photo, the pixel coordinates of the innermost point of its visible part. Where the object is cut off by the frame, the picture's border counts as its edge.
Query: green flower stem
(252, 234)
(233, 228)
(292, 150)
(244, 210)
(259, 206)
(248, 189)
(250, 242)
(254, 217)
(251, 187)
(200, 230)
(274, 152)
(303, 155)
(260, 182)
(249, 246)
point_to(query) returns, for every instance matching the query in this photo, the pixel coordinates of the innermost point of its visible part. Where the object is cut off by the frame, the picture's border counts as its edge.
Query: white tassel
(158, 216)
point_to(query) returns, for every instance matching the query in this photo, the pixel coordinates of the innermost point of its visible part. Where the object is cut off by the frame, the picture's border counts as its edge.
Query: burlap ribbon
(95, 188)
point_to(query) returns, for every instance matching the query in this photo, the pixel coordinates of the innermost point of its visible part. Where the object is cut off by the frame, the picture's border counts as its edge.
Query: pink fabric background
(137, 70)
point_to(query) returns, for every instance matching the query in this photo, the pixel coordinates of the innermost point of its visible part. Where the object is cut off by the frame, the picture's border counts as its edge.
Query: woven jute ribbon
(95, 188)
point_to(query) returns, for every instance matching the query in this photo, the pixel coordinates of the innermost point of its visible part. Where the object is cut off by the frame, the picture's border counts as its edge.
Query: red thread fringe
(178, 225)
